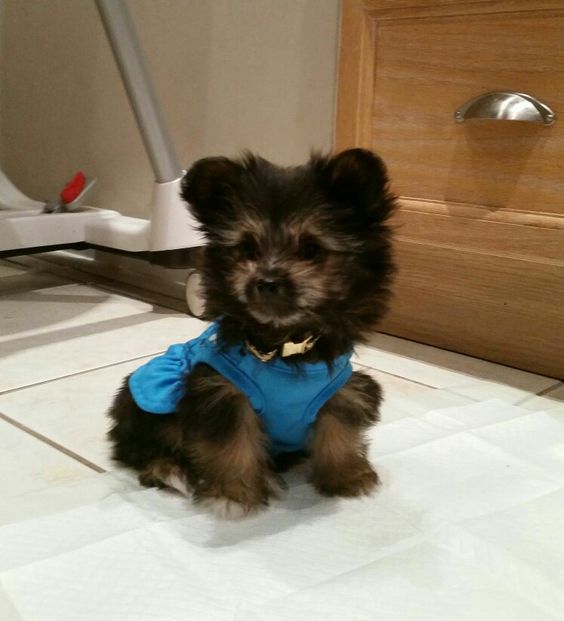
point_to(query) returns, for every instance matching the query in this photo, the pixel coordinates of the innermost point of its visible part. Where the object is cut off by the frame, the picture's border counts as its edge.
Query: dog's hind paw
(236, 500)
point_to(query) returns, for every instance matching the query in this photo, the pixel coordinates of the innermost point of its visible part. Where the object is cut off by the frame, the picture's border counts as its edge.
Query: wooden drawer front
(407, 65)
(480, 231)
(426, 68)
(506, 310)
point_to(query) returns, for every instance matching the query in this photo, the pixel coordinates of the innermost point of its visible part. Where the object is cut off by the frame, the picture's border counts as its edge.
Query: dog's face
(302, 247)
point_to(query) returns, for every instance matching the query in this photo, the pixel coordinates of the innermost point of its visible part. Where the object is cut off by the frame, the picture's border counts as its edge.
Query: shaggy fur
(291, 252)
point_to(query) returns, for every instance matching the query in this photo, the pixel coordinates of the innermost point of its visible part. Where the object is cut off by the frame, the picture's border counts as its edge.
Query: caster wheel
(194, 298)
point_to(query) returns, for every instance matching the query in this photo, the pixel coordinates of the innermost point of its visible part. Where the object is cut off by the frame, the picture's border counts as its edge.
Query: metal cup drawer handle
(506, 106)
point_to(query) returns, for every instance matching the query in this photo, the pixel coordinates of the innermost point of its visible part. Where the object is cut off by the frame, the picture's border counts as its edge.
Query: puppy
(296, 271)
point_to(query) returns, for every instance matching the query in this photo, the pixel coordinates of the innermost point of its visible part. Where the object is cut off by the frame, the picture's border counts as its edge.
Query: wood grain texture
(481, 225)
(427, 68)
(400, 9)
(487, 214)
(504, 233)
(356, 77)
(501, 309)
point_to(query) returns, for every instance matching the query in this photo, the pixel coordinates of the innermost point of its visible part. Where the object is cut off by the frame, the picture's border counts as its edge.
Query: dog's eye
(310, 250)
(249, 249)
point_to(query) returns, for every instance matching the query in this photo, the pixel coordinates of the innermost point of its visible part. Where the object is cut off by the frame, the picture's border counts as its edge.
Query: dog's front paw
(237, 499)
(228, 508)
(164, 472)
(360, 480)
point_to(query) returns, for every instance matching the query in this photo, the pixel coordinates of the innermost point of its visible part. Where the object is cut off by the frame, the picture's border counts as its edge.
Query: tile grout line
(541, 393)
(545, 391)
(366, 366)
(75, 374)
(160, 351)
(52, 444)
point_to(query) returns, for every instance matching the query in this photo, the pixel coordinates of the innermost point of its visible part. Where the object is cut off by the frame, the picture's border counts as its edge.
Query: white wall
(231, 74)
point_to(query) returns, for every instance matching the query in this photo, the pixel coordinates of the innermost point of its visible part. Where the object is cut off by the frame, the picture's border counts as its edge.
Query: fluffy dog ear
(358, 178)
(209, 188)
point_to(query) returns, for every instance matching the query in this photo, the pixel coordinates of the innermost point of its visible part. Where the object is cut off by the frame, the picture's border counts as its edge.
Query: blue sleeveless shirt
(286, 398)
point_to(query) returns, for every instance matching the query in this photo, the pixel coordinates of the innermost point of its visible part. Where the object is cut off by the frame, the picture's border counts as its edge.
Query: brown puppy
(292, 253)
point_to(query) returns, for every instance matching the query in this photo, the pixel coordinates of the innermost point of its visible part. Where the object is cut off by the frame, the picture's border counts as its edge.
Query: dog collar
(286, 349)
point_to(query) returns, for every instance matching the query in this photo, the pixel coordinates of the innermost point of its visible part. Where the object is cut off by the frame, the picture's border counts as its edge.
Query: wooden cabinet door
(480, 231)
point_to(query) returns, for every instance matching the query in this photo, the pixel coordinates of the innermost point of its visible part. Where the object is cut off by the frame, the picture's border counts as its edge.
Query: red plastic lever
(73, 188)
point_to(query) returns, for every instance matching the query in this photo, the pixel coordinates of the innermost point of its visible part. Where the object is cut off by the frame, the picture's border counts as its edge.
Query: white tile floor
(65, 346)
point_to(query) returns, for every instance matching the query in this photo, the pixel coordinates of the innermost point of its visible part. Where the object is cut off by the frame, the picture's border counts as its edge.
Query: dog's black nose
(265, 286)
